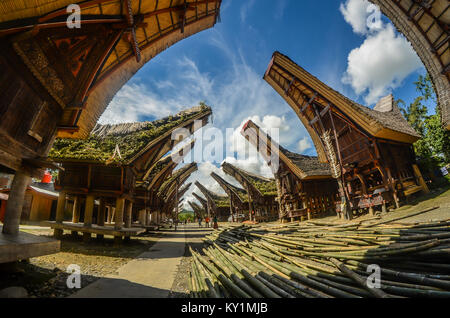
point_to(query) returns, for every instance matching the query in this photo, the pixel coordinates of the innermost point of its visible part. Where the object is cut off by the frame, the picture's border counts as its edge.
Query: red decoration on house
(47, 178)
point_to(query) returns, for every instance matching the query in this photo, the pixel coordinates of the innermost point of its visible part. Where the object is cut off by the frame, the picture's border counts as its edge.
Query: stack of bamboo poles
(314, 259)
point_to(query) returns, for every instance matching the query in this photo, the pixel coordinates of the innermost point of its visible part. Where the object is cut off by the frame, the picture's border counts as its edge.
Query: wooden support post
(142, 217)
(148, 217)
(393, 188)
(128, 215)
(88, 210)
(118, 217)
(113, 214)
(61, 206)
(383, 207)
(108, 215)
(60, 209)
(419, 177)
(15, 202)
(76, 209)
(101, 213)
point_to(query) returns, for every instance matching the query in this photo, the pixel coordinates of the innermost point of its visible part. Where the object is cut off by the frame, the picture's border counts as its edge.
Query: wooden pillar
(393, 188)
(76, 209)
(101, 212)
(383, 207)
(141, 217)
(60, 209)
(88, 212)
(101, 216)
(15, 202)
(128, 214)
(113, 214)
(108, 214)
(118, 217)
(148, 217)
(419, 177)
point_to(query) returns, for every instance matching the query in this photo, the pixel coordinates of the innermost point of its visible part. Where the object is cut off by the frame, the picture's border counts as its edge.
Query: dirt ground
(46, 276)
(180, 287)
(437, 198)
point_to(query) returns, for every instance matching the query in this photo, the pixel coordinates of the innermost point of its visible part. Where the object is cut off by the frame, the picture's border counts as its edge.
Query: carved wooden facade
(89, 173)
(203, 202)
(369, 149)
(199, 212)
(238, 197)
(216, 204)
(261, 192)
(304, 185)
(169, 194)
(57, 80)
(146, 199)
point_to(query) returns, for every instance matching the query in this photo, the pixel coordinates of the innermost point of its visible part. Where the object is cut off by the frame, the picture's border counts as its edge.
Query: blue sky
(224, 67)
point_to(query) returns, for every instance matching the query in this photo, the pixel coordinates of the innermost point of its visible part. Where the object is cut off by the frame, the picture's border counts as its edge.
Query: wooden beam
(76, 209)
(15, 202)
(89, 210)
(118, 217)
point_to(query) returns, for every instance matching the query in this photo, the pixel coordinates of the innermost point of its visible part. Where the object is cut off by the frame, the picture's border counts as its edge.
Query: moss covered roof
(159, 166)
(266, 186)
(129, 138)
(219, 200)
(238, 191)
(176, 175)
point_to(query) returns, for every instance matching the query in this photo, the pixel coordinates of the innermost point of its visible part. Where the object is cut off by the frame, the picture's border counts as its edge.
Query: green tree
(434, 146)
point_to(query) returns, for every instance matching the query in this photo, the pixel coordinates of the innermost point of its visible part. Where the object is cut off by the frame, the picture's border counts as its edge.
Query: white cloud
(359, 14)
(203, 175)
(304, 145)
(132, 102)
(380, 64)
(383, 60)
(236, 95)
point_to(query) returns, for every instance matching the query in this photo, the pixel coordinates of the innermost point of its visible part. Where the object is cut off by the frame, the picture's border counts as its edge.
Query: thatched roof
(162, 168)
(240, 193)
(218, 199)
(181, 192)
(180, 175)
(198, 210)
(266, 186)
(131, 139)
(200, 199)
(387, 123)
(159, 24)
(304, 167)
(311, 166)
